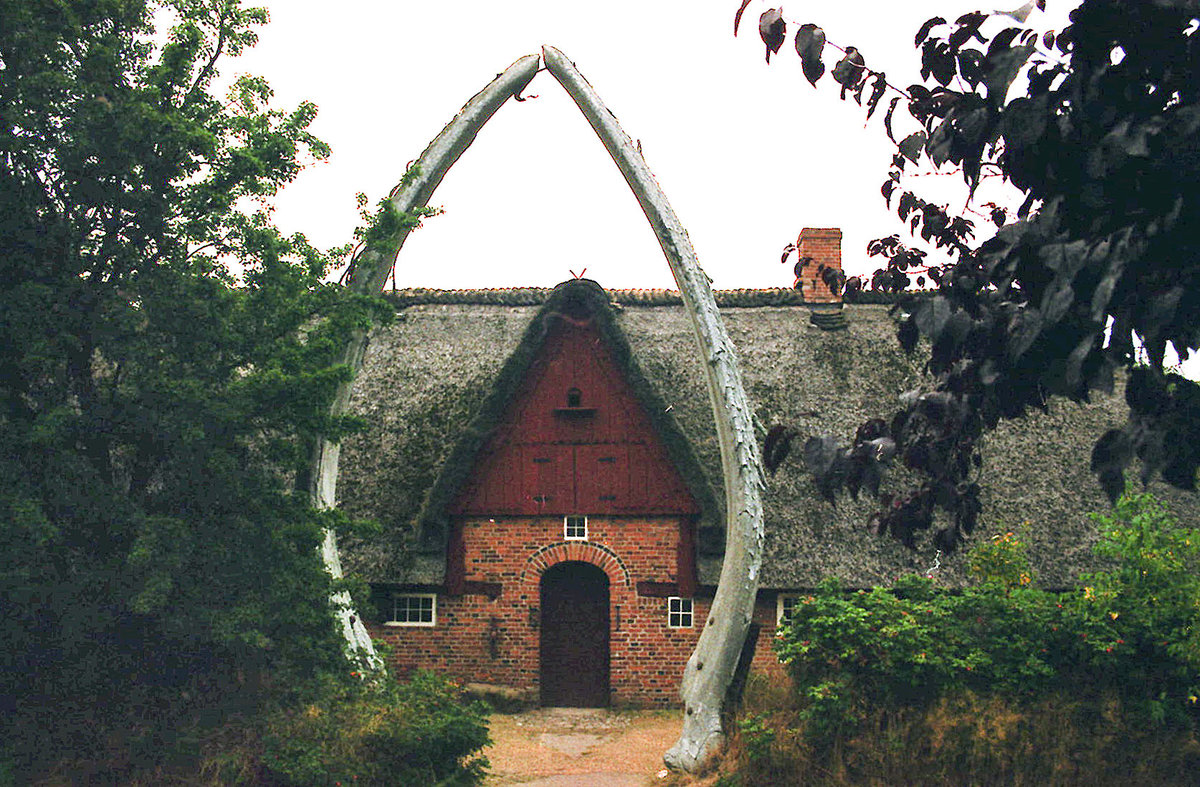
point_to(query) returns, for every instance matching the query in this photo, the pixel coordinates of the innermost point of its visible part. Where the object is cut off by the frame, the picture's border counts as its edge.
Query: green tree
(1098, 126)
(167, 361)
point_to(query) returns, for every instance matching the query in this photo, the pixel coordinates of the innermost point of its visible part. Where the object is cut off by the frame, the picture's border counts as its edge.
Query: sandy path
(580, 747)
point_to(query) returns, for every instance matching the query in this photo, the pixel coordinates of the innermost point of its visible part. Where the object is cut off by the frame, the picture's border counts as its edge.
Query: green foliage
(756, 734)
(1130, 631)
(1002, 561)
(1148, 606)
(167, 360)
(379, 229)
(420, 732)
(911, 644)
(915, 684)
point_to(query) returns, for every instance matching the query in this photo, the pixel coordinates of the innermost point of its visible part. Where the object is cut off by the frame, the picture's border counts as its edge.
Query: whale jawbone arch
(711, 667)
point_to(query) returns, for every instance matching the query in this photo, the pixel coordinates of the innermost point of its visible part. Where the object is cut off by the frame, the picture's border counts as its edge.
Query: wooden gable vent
(574, 439)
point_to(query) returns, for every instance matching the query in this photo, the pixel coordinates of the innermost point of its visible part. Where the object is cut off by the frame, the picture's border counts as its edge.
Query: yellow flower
(1089, 593)
(1114, 615)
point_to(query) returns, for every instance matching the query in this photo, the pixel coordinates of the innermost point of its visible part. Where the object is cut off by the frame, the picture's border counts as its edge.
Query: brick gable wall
(494, 639)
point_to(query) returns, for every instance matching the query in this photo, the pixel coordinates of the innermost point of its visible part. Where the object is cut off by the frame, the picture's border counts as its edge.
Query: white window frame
(676, 606)
(396, 598)
(567, 527)
(781, 601)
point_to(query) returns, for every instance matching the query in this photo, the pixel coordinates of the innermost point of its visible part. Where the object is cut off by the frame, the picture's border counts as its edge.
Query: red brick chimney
(824, 245)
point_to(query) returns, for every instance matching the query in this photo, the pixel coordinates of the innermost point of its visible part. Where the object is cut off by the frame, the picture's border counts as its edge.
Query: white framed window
(575, 528)
(413, 609)
(679, 613)
(785, 604)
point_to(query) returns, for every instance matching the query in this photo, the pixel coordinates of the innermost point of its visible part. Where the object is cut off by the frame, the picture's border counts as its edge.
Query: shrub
(420, 732)
(1144, 613)
(1003, 561)
(1000, 682)
(1133, 630)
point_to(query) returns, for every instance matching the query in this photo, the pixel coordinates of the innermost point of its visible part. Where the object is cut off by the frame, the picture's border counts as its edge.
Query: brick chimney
(824, 246)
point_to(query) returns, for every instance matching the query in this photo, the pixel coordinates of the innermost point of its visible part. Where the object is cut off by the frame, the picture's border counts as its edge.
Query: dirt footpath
(580, 747)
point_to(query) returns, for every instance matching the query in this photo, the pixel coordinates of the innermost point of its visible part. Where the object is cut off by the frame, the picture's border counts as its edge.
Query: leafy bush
(420, 732)
(914, 684)
(1131, 631)
(1144, 613)
(1002, 561)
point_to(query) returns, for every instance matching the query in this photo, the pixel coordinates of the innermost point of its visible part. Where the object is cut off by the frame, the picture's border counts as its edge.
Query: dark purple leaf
(906, 334)
(1004, 39)
(737, 18)
(849, 70)
(810, 42)
(878, 88)
(834, 279)
(888, 187)
(923, 33)
(912, 145)
(772, 29)
(939, 61)
(887, 118)
(968, 25)
(787, 250)
(1111, 454)
(777, 446)
(970, 65)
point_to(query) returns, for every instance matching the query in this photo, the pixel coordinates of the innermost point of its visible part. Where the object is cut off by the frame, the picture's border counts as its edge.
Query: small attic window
(574, 398)
(575, 528)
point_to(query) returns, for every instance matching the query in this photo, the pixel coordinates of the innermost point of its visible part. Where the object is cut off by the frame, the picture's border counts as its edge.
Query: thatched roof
(433, 380)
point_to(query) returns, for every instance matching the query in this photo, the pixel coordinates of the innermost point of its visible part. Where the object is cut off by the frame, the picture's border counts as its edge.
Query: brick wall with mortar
(495, 640)
(824, 245)
(481, 639)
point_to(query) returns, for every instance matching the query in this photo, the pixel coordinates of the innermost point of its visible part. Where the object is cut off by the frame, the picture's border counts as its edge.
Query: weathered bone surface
(711, 667)
(370, 270)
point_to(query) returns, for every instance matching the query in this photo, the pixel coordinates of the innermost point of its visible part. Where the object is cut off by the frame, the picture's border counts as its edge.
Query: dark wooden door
(574, 636)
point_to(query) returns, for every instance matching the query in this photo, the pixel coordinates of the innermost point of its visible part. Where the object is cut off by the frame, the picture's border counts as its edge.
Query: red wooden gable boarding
(574, 440)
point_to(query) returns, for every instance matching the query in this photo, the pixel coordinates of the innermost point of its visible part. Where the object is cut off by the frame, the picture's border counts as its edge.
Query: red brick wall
(478, 639)
(825, 247)
(764, 654)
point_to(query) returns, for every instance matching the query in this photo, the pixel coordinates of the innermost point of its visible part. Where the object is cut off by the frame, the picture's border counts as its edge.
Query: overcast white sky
(748, 154)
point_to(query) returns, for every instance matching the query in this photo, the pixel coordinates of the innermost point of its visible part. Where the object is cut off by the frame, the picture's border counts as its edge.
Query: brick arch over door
(579, 551)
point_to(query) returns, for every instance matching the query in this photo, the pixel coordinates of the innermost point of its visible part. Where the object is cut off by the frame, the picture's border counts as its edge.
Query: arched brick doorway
(574, 635)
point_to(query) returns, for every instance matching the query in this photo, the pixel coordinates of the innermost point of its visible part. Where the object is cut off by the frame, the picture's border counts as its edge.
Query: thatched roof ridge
(427, 376)
(536, 296)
